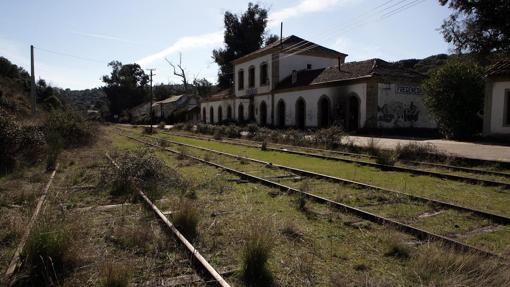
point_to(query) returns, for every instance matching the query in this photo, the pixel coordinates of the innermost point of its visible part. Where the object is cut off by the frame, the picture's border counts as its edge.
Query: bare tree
(182, 74)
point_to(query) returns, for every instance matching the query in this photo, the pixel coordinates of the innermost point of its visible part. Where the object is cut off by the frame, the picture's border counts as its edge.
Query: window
(251, 77)
(240, 80)
(507, 108)
(308, 66)
(264, 80)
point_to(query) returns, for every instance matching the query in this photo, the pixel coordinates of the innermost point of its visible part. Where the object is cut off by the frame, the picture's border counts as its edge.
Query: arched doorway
(251, 112)
(300, 113)
(324, 112)
(211, 115)
(204, 116)
(280, 108)
(229, 113)
(240, 113)
(263, 113)
(353, 121)
(220, 114)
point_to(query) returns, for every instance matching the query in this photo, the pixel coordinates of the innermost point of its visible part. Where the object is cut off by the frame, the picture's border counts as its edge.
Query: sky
(75, 40)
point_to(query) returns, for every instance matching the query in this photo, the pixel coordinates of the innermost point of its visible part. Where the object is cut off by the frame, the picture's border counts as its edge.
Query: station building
(297, 83)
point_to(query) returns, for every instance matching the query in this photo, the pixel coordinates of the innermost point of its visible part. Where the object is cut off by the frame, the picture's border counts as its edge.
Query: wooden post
(32, 80)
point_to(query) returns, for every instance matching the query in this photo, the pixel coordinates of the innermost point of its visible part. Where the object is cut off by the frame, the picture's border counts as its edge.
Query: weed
(396, 248)
(386, 157)
(263, 146)
(161, 125)
(186, 219)
(256, 253)
(218, 135)
(373, 147)
(48, 254)
(330, 137)
(114, 275)
(291, 231)
(183, 152)
(418, 151)
(163, 143)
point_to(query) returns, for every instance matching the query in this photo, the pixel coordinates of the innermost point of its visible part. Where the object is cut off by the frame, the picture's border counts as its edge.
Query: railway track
(270, 180)
(327, 154)
(205, 266)
(16, 261)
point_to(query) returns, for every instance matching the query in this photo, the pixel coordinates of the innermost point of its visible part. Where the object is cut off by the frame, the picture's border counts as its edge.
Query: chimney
(294, 76)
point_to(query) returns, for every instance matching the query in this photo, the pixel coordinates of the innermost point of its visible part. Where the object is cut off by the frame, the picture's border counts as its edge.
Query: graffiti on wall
(398, 114)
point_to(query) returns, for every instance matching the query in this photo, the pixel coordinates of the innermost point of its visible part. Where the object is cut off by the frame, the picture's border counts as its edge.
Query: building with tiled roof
(496, 120)
(297, 83)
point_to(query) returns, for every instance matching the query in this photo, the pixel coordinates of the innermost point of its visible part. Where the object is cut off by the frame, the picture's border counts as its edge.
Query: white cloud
(102, 36)
(185, 43)
(216, 38)
(303, 7)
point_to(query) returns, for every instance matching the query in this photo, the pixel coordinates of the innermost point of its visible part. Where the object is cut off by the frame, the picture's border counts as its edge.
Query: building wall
(215, 105)
(258, 88)
(300, 62)
(338, 97)
(400, 105)
(497, 107)
(257, 101)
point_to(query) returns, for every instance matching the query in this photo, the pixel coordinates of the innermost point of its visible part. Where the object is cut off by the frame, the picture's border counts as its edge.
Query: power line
(71, 55)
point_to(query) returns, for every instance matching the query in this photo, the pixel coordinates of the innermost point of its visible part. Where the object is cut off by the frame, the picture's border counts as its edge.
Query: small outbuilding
(496, 119)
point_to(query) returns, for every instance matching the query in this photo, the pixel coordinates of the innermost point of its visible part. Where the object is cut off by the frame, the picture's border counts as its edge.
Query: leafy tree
(454, 97)
(125, 86)
(243, 35)
(203, 86)
(271, 39)
(478, 26)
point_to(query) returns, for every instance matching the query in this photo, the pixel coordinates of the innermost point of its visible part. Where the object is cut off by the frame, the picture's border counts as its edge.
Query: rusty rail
(16, 262)
(418, 232)
(212, 272)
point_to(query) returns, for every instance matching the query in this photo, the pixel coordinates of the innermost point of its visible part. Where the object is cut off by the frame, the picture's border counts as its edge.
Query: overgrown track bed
(190, 248)
(450, 172)
(374, 206)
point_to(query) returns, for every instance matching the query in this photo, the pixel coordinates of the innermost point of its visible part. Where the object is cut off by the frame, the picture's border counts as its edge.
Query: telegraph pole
(32, 80)
(151, 115)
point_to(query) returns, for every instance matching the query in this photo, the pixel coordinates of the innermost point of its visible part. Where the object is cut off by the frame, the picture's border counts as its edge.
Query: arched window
(220, 114)
(211, 115)
(300, 113)
(229, 113)
(204, 116)
(263, 113)
(251, 76)
(240, 79)
(240, 113)
(264, 75)
(280, 108)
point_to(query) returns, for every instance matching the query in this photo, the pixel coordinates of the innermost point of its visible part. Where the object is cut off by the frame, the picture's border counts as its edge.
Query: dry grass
(186, 219)
(256, 253)
(115, 275)
(443, 266)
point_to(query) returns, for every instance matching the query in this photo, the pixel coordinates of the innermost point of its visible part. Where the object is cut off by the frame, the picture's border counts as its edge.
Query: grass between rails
(258, 202)
(493, 199)
(450, 223)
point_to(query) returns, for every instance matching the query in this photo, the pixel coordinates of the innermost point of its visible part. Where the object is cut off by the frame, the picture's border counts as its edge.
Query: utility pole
(151, 115)
(32, 80)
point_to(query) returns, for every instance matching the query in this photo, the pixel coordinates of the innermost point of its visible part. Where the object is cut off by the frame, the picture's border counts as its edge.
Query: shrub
(143, 168)
(252, 129)
(330, 137)
(263, 146)
(233, 131)
(395, 248)
(186, 220)
(149, 130)
(417, 151)
(115, 275)
(256, 253)
(386, 157)
(454, 96)
(373, 147)
(161, 125)
(218, 134)
(71, 127)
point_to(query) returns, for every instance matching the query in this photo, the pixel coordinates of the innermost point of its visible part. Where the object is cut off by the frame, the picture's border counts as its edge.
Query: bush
(233, 131)
(149, 130)
(71, 127)
(143, 168)
(18, 142)
(386, 157)
(256, 253)
(454, 96)
(417, 151)
(395, 248)
(186, 220)
(330, 137)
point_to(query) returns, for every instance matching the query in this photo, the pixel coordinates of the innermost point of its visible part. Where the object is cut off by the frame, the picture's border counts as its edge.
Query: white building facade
(497, 100)
(296, 83)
